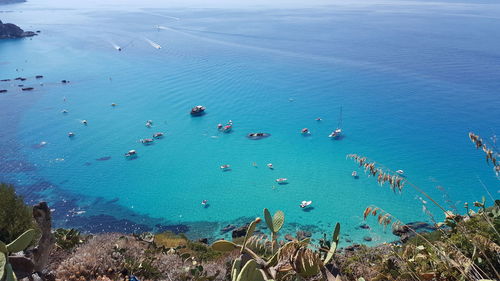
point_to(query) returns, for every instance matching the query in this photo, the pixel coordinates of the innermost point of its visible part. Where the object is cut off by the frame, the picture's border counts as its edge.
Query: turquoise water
(413, 78)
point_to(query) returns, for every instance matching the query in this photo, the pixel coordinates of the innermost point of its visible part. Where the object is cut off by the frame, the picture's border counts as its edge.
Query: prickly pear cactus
(224, 246)
(275, 223)
(22, 242)
(250, 272)
(3, 262)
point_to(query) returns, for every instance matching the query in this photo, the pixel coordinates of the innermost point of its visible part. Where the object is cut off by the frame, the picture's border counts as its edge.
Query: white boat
(225, 167)
(304, 204)
(354, 174)
(147, 141)
(270, 166)
(131, 153)
(401, 172)
(158, 135)
(282, 180)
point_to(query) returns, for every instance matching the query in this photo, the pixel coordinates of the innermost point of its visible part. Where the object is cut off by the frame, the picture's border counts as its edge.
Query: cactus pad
(224, 246)
(22, 242)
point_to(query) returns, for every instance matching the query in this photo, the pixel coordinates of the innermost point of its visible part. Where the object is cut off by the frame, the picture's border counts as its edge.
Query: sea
(405, 80)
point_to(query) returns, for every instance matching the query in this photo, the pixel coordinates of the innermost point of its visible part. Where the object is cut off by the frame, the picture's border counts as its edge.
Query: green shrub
(15, 216)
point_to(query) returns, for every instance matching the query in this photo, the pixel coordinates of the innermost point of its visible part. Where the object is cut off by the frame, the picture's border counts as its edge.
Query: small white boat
(149, 123)
(227, 128)
(85, 122)
(225, 167)
(401, 172)
(354, 174)
(147, 141)
(204, 202)
(158, 135)
(336, 134)
(64, 111)
(282, 180)
(131, 153)
(198, 110)
(270, 166)
(305, 131)
(304, 204)
(71, 134)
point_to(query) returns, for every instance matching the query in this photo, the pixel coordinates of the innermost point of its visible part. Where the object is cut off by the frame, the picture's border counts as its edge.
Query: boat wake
(118, 48)
(153, 44)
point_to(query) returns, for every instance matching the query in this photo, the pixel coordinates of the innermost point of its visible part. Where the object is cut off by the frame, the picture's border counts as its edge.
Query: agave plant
(21, 243)
(67, 239)
(294, 258)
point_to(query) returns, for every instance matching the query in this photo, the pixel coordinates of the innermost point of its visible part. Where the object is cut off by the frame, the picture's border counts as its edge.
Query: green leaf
(278, 221)
(235, 270)
(224, 246)
(250, 272)
(10, 276)
(269, 219)
(331, 252)
(336, 232)
(3, 249)
(22, 242)
(3, 262)
(250, 231)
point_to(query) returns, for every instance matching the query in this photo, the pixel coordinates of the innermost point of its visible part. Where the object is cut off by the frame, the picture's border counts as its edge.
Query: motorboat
(305, 204)
(282, 180)
(113, 104)
(270, 166)
(227, 128)
(71, 134)
(149, 123)
(354, 174)
(64, 111)
(336, 134)
(305, 131)
(27, 89)
(131, 153)
(198, 110)
(257, 136)
(147, 141)
(158, 135)
(225, 167)
(401, 172)
(85, 122)
(204, 202)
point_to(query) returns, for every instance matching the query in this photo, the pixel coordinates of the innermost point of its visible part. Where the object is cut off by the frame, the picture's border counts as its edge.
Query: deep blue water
(413, 78)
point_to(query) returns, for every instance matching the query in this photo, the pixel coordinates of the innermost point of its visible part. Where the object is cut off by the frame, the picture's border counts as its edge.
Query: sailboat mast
(340, 118)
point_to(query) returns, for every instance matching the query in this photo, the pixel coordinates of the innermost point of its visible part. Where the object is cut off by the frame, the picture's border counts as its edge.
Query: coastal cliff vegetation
(462, 246)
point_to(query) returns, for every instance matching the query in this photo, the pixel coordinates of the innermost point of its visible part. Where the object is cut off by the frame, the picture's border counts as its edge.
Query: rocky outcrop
(10, 30)
(11, 1)
(405, 232)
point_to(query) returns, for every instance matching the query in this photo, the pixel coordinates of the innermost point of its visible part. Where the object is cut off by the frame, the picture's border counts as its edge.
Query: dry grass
(108, 255)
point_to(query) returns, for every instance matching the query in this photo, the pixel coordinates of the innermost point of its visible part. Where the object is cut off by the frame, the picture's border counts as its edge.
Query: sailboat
(338, 132)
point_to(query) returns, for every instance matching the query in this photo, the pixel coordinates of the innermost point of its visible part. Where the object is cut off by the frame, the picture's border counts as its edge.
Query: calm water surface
(413, 78)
